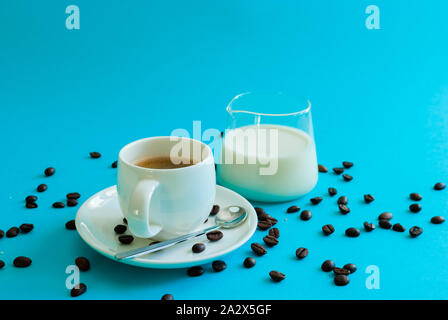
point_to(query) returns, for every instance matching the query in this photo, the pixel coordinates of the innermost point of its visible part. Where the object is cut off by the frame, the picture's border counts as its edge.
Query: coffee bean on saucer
(58, 205)
(270, 240)
(271, 220)
(73, 195)
(322, 168)
(78, 290)
(26, 227)
(219, 265)
(125, 221)
(214, 210)
(352, 232)
(316, 200)
(30, 199)
(341, 280)
(258, 249)
(70, 225)
(341, 271)
(167, 297)
(415, 196)
(22, 262)
(12, 232)
(125, 239)
(50, 171)
(435, 220)
(385, 224)
(206, 220)
(385, 216)
(274, 232)
(31, 205)
(293, 209)
(301, 253)
(347, 177)
(368, 198)
(328, 229)
(72, 203)
(398, 227)
(114, 164)
(332, 191)
(249, 262)
(351, 267)
(259, 211)
(328, 265)
(306, 215)
(277, 276)
(415, 231)
(344, 209)
(82, 263)
(2, 233)
(42, 187)
(120, 229)
(415, 207)
(347, 164)
(95, 155)
(2, 264)
(214, 235)
(439, 186)
(195, 271)
(198, 247)
(338, 170)
(343, 200)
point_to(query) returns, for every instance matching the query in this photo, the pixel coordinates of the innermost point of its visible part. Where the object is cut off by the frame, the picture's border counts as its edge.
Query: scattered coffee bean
(259, 211)
(70, 225)
(347, 164)
(398, 227)
(344, 209)
(415, 207)
(2, 264)
(12, 232)
(301, 253)
(26, 227)
(2, 233)
(167, 297)
(214, 235)
(347, 177)
(125, 221)
(439, 186)
(415, 231)
(219, 265)
(306, 215)
(343, 200)
(42, 188)
(120, 229)
(73, 195)
(351, 267)
(31, 205)
(22, 262)
(195, 271)
(368, 198)
(328, 229)
(95, 155)
(277, 276)
(352, 232)
(214, 210)
(270, 240)
(385, 224)
(415, 196)
(114, 164)
(58, 205)
(341, 280)
(435, 220)
(198, 247)
(322, 168)
(30, 199)
(341, 271)
(369, 226)
(271, 220)
(78, 290)
(293, 209)
(263, 217)
(249, 262)
(274, 232)
(50, 171)
(72, 203)
(316, 200)
(385, 216)
(332, 191)
(328, 265)
(258, 249)
(338, 170)
(125, 239)
(82, 263)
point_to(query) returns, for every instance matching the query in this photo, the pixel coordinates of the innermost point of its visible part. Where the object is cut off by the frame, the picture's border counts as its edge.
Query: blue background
(143, 68)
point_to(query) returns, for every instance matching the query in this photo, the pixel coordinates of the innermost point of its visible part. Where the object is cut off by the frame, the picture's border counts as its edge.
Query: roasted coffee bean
(259, 211)
(385, 216)
(198, 247)
(344, 209)
(167, 297)
(293, 209)
(351, 267)
(347, 177)
(12, 232)
(22, 262)
(72, 203)
(435, 220)
(415, 231)
(58, 205)
(277, 276)
(316, 200)
(50, 171)
(125, 221)
(2, 264)
(274, 232)
(439, 186)
(114, 164)
(328, 265)
(328, 229)
(82, 263)
(195, 271)
(347, 164)
(263, 217)
(341, 280)
(271, 220)
(214, 210)
(26, 227)
(338, 170)
(42, 188)
(385, 224)
(398, 227)
(415, 196)
(332, 191)
(120, 229)
(270, 240)
(306, 215)
(415, 207)
(125, 239)
(70, 225)
(95, 155)
(258, 249)
(322, 168)
(219, 265)
(78, 290)
(206, 220)
(301, 253)
(31, 205)
(73, 195)
(214, 235)
(352, 232)
(343, 200)
(249, 262)
(30, 199)
(2, 233)
(369, 226)
(368, 198)
(341, 271)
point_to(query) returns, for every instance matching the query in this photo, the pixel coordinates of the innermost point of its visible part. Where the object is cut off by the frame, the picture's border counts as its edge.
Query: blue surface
(139, 69)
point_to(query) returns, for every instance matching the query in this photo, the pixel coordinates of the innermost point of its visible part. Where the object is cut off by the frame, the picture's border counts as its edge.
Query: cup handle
(138, 214)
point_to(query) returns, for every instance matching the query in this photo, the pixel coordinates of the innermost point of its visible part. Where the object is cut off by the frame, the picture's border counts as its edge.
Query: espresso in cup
(165, 162)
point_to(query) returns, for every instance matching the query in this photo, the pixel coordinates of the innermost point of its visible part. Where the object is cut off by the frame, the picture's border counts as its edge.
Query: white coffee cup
(166, 203)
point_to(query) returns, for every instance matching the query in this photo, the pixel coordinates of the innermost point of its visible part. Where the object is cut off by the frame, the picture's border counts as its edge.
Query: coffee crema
(165, 163)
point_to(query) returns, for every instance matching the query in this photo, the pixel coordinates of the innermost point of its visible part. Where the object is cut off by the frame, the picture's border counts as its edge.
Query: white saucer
(98, 216)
